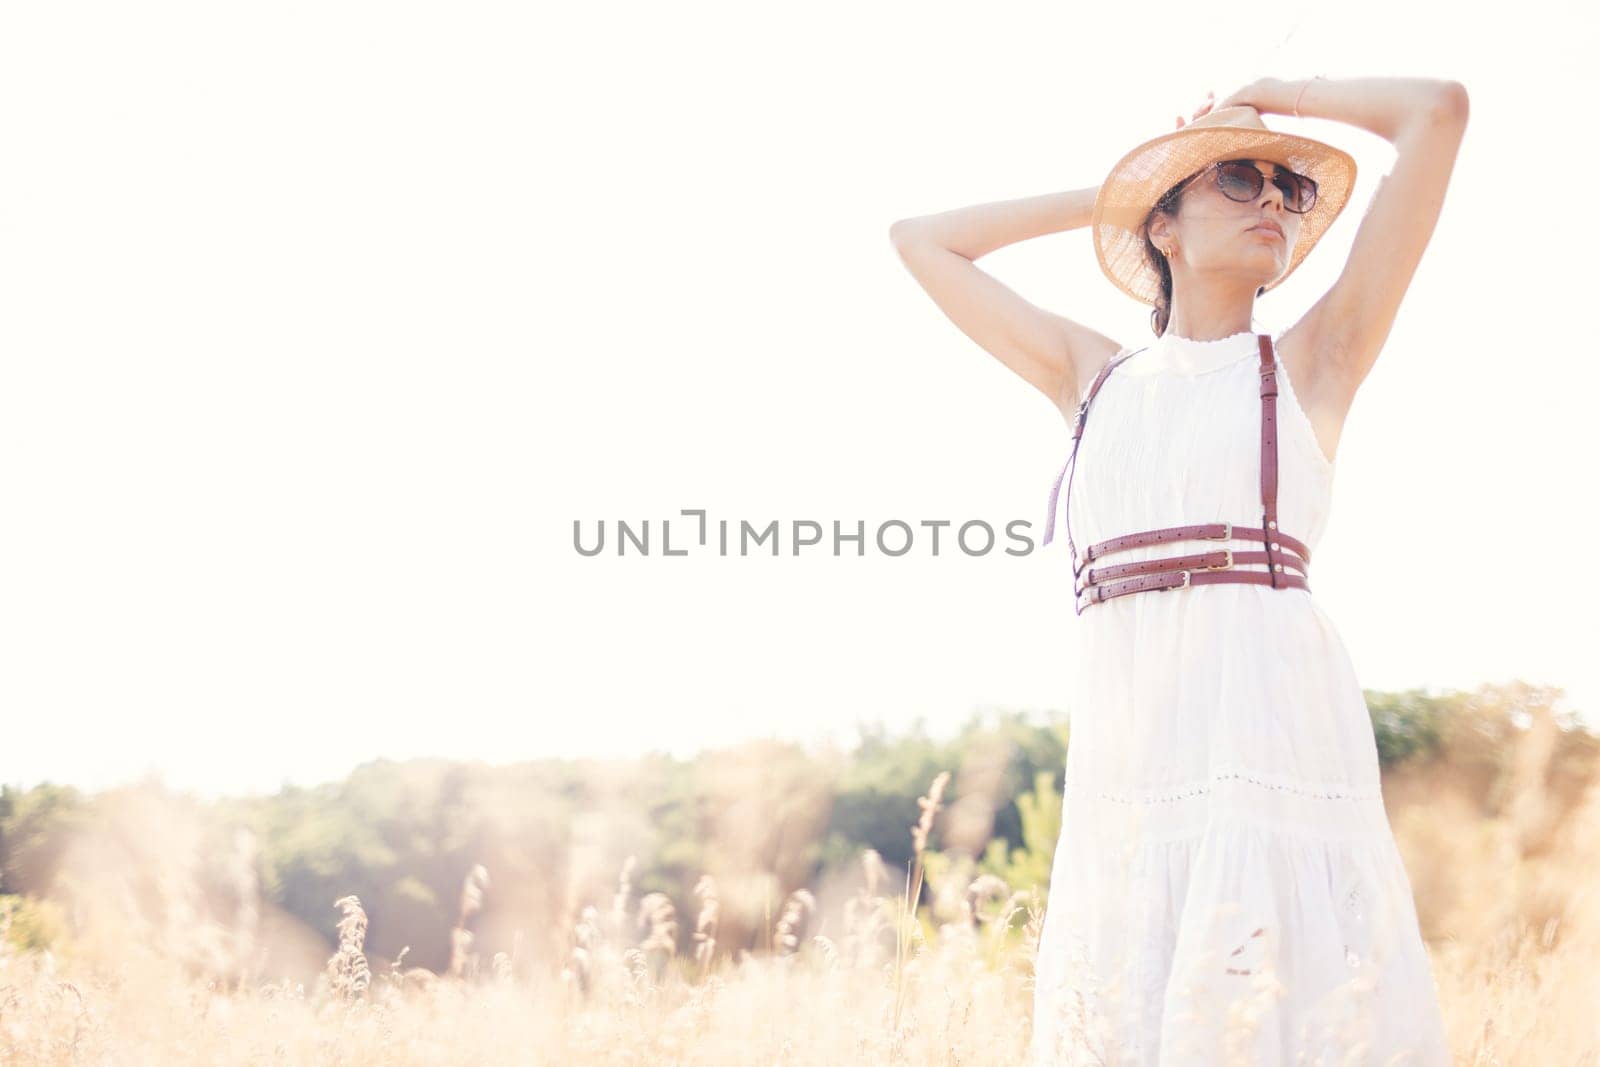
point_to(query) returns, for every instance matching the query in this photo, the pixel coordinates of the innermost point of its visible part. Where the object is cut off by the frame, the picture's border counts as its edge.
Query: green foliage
(31, 924)
(1029, 865)
(34, 829)
(875, 802)
(1406, 724)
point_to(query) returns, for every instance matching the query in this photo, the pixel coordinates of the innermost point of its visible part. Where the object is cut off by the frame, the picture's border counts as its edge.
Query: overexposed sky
(324, 322)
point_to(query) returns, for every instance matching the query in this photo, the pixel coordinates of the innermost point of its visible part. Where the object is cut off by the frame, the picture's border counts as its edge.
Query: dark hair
(1168, 204)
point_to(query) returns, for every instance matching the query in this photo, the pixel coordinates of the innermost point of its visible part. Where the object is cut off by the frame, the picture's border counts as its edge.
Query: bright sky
(324, 322)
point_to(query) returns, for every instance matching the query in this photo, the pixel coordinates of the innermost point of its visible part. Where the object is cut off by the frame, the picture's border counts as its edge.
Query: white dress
(1226, 887)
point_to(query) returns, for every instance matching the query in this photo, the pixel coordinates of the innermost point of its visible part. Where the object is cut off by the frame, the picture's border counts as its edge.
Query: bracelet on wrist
(1303, 87)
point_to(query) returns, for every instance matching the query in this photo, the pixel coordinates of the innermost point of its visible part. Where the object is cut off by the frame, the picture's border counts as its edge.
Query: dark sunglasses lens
(1299, 192)
(1239, 181)
(1308, 193)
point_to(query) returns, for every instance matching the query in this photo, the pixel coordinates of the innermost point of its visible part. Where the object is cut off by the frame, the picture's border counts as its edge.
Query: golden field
(751, 907)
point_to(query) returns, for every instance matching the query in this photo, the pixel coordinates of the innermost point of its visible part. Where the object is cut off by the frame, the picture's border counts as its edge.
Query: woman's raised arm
(1050, 352)
(1424, 119)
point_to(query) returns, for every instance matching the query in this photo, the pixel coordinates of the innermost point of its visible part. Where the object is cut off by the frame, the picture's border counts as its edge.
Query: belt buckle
(1227, 533)
(1221, 566)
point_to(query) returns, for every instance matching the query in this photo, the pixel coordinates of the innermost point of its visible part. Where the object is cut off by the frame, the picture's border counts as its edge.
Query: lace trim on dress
(1340, 793)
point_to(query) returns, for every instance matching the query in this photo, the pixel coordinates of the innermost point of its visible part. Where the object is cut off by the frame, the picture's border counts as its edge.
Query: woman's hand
(1256, 94)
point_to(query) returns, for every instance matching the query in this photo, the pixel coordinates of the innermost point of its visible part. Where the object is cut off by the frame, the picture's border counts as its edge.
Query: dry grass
(1515, 931)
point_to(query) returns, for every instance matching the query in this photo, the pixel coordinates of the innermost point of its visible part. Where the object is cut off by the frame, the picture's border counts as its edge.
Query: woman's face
(1214, 232)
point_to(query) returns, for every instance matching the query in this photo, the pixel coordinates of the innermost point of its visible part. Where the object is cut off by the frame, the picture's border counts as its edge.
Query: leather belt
(1278, 550)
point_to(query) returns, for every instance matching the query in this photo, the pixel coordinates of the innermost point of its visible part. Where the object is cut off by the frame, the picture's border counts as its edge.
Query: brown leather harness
(1202, 568)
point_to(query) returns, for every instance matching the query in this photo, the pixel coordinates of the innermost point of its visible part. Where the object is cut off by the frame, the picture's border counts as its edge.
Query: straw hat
(1140, 177)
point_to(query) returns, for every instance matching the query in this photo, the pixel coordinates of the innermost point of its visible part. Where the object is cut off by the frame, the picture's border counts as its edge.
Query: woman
(1226, 888)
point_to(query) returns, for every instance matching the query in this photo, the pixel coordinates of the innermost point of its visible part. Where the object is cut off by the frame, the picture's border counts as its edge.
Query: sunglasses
(1241, 180)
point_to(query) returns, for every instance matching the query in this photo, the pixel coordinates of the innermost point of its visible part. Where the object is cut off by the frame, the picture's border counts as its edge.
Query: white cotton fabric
(1226, 887)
